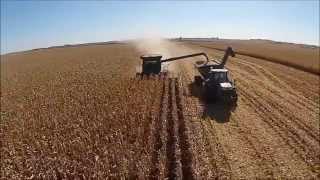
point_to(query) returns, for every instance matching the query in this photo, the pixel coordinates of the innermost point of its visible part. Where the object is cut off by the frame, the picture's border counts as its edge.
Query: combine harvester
(214, 77)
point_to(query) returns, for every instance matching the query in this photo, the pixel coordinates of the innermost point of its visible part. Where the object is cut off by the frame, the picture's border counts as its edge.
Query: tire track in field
(267, 162)
(295, 101)
(308, 149)
(214, 150)
(159, 135)
(255, 69)
(301, 82)
(170, 129)
(308, 154)
(284, 92)
(285, 111)
(186, 154)
(267, 103)
(219, 160)
(173, 151)
(202, 159)
(290, 137)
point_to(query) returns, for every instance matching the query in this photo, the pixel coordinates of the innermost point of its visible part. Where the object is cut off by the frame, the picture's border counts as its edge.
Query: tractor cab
(151, 64)
(219, 75)
(219, 86)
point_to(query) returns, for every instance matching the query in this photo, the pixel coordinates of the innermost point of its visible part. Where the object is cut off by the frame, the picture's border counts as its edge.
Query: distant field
(300, 56)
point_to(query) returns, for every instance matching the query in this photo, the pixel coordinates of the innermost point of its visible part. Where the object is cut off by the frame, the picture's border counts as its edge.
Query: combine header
(214, 77)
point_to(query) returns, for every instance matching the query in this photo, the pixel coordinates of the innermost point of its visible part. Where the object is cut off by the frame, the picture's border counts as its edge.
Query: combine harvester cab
(151, 64)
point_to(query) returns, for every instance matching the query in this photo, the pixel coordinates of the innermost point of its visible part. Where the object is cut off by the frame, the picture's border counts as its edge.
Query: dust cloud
(164, 47)
(154, 46)
(157, 46)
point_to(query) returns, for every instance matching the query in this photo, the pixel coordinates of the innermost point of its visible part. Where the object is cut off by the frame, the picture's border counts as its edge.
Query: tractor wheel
(198, 80)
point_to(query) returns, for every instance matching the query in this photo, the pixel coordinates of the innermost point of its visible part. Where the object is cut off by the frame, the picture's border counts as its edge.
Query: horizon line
(130, 39)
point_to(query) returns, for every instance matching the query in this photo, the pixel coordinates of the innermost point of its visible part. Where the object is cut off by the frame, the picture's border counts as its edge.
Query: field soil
(82, 112)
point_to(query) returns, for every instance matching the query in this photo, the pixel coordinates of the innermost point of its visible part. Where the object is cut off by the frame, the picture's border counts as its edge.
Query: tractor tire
(198, 80)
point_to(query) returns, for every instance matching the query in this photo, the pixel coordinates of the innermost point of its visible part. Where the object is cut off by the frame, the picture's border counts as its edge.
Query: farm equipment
(151, 63)
(214, 77)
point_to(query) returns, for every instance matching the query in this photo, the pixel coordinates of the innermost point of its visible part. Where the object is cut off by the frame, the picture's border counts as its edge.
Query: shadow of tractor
(216, 110)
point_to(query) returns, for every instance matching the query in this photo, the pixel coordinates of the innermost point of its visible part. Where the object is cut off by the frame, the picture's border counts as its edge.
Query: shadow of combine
(216, 110)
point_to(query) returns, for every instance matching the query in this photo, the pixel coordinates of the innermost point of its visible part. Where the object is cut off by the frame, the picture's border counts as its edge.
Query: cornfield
(80, 112)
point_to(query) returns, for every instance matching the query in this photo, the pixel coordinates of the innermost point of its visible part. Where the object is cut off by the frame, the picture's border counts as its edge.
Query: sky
(37, 24)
